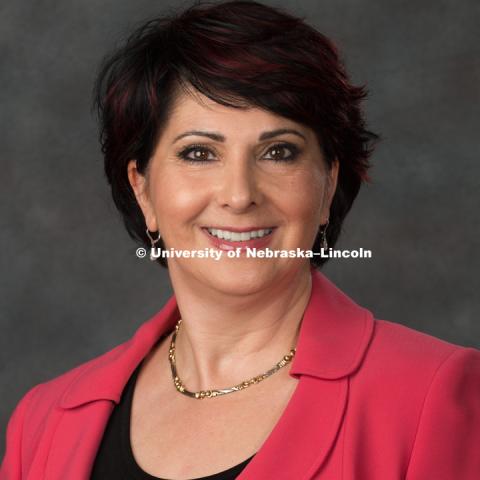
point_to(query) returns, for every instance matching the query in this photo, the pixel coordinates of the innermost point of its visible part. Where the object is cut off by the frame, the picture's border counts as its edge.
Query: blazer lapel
(76, 440)
(305, 433)
(86, 405)
(334, 336)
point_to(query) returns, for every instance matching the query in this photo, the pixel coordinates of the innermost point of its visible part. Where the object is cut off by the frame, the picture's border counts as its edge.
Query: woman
(229, 127)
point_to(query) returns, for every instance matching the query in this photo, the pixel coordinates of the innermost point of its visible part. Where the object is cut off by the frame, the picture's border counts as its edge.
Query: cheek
(177, 198)
(302, 197)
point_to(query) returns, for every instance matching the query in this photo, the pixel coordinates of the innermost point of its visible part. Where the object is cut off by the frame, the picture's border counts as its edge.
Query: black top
(115, 458)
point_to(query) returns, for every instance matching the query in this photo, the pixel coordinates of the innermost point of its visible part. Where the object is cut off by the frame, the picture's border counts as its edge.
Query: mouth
(228, 238)
(238, 235)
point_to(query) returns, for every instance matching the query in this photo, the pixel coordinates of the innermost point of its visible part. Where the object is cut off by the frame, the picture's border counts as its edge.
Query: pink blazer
(375, 401)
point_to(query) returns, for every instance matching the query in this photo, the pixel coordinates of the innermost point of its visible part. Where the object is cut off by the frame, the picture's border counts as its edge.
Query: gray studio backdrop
(71, 285)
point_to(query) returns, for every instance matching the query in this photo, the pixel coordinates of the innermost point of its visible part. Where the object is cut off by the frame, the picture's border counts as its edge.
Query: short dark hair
(237, 53)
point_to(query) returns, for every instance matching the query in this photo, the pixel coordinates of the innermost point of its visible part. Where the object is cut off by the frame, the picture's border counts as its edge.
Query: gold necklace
(223, 391)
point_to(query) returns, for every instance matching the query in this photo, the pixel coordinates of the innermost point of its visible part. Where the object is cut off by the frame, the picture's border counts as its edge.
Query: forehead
(192, 110)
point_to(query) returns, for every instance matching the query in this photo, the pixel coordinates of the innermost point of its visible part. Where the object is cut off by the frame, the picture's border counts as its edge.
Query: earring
(153, 241)
(323, 237)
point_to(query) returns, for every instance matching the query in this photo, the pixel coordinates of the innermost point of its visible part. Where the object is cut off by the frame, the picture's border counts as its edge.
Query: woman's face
(234, 170)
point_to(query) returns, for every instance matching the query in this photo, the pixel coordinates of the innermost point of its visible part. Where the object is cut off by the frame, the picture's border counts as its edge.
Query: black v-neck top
(115, 460)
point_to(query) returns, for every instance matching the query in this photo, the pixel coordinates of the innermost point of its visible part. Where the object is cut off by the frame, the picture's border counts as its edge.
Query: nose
(238, 185)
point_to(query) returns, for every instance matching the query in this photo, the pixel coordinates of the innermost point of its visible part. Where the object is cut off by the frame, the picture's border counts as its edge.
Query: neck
(224, 339)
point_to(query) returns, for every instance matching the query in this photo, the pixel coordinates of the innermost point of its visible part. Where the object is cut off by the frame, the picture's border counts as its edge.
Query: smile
(239, 236)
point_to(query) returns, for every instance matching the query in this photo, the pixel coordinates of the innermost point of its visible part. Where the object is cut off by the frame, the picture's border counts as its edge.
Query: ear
(330, 188)
(139, 185)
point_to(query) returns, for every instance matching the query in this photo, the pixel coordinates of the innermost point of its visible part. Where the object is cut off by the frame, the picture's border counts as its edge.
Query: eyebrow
(221, 138)
(198, 133)
(280, 131)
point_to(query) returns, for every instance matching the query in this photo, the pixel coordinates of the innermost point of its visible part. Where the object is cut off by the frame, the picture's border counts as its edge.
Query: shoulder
(405, 346)
(37, 414)
(57, 385)
(46, 396)
(427, 391)
(403, 367)
(38, 410)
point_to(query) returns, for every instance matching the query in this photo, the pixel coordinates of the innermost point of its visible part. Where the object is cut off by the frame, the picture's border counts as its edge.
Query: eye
(282, 152)
(197, 154)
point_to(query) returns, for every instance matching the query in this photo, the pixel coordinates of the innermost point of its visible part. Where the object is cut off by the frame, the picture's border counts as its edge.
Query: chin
(241, 279)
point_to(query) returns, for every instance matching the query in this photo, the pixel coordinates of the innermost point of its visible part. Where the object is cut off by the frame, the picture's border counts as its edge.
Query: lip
(223, 244)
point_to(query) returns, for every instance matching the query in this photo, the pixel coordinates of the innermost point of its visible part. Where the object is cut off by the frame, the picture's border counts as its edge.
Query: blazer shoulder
(46, 396)
(448, 429)
(37, 409)
(402, 356)
(402, 343)
(410, 380)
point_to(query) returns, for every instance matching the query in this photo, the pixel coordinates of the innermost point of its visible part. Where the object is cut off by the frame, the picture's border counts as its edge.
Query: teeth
(238, 236)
